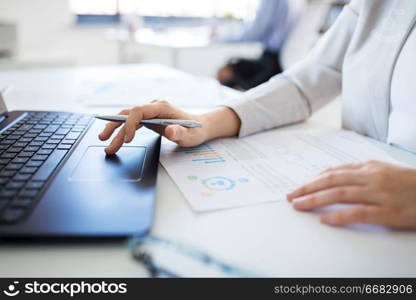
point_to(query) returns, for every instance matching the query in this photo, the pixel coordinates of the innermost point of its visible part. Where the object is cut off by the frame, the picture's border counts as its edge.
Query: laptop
(56, 181)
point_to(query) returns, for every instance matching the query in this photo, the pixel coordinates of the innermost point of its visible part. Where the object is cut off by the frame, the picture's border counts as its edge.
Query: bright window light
(165, 8)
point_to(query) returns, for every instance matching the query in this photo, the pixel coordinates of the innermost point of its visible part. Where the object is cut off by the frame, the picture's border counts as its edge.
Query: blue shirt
(270, 26)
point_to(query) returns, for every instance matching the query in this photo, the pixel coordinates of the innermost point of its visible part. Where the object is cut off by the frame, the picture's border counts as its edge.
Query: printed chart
(203, 153)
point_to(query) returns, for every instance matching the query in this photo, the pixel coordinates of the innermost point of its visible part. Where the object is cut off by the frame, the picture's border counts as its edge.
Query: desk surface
(271, 239)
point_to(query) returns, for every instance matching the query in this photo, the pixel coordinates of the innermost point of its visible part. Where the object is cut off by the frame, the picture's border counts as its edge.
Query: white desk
(271, 239)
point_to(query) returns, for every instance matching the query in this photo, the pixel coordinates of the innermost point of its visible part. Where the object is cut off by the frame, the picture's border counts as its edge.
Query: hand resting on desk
(386, 195)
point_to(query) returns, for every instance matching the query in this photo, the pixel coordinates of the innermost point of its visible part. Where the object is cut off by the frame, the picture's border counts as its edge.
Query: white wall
(39, 21)
(47, 37)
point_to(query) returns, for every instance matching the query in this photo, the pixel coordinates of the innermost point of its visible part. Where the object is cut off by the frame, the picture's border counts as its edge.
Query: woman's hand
(385, 194)
(220, 123)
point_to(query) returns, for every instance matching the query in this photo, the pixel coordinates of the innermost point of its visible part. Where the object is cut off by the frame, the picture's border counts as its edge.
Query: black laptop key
(77, 129)
(57, 136)
(35, 184)
(6, 193)
(20, 144)
(22, 177)
(40, 126)
(50, 165)
(51, 128)
(44, 151)
(47, 134)
(34, 163)
(8, 155)
(39, 157)
(19, 132)
(13, 166)
(3, 204)
(4, 161)
(64, 147)
(49, 146)
(14, 136)
(23, 202)
(26, 154)
(28, 170)
(15, 185)
(20, 160)
(32, 148)
(25, 127)
(72, 136)
(25, 140)
(28, 193)
(7, 173)
(41, 139)
(70, 142)
(11, 215)
(62, 131)
(53, 141)
(14, 149)
(7, 142)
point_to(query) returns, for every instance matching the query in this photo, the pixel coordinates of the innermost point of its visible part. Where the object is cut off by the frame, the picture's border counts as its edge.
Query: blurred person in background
(270, 27)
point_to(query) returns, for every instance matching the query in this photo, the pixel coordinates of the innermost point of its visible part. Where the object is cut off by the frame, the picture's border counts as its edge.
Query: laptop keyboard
(30, 151)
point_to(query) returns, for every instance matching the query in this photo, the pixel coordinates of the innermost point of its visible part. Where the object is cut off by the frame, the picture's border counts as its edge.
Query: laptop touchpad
(94, 165)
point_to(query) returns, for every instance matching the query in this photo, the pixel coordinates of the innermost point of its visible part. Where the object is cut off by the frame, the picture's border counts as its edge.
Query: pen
(159, 122)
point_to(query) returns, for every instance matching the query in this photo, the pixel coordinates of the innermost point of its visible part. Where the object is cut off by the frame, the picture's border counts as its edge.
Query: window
(241, 9)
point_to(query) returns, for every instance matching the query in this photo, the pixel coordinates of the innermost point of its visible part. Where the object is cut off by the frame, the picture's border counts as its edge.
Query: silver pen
(158, 122)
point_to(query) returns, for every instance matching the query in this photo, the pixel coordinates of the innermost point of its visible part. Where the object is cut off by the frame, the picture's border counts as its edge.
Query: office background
(47, 45)
(62, 33)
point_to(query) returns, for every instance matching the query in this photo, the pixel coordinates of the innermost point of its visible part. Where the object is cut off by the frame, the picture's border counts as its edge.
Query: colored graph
(203, 153)
(217, 183)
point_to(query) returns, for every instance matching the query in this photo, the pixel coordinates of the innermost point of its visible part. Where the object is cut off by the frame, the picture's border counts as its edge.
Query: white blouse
(368, 57)
(402, 121)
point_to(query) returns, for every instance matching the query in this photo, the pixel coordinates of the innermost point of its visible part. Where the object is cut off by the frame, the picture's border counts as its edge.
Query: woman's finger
(108, 130)
(350, 166)
(365, 214)
(184, 137)
(156, 109)
(348, 194)
(328, 180)
(111, 126)
(117, 142)
(133, 123)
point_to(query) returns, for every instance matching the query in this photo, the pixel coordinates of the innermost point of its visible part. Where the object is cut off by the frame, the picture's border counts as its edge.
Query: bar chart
(203, 153)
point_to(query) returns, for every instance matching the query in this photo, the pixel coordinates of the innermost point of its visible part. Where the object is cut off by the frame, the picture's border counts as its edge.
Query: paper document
(234, 172)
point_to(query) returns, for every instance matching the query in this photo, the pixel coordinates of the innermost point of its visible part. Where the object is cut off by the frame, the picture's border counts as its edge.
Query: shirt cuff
(275, 103)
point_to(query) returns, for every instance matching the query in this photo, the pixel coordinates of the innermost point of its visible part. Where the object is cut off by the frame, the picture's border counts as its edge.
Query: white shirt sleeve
(294, 95)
